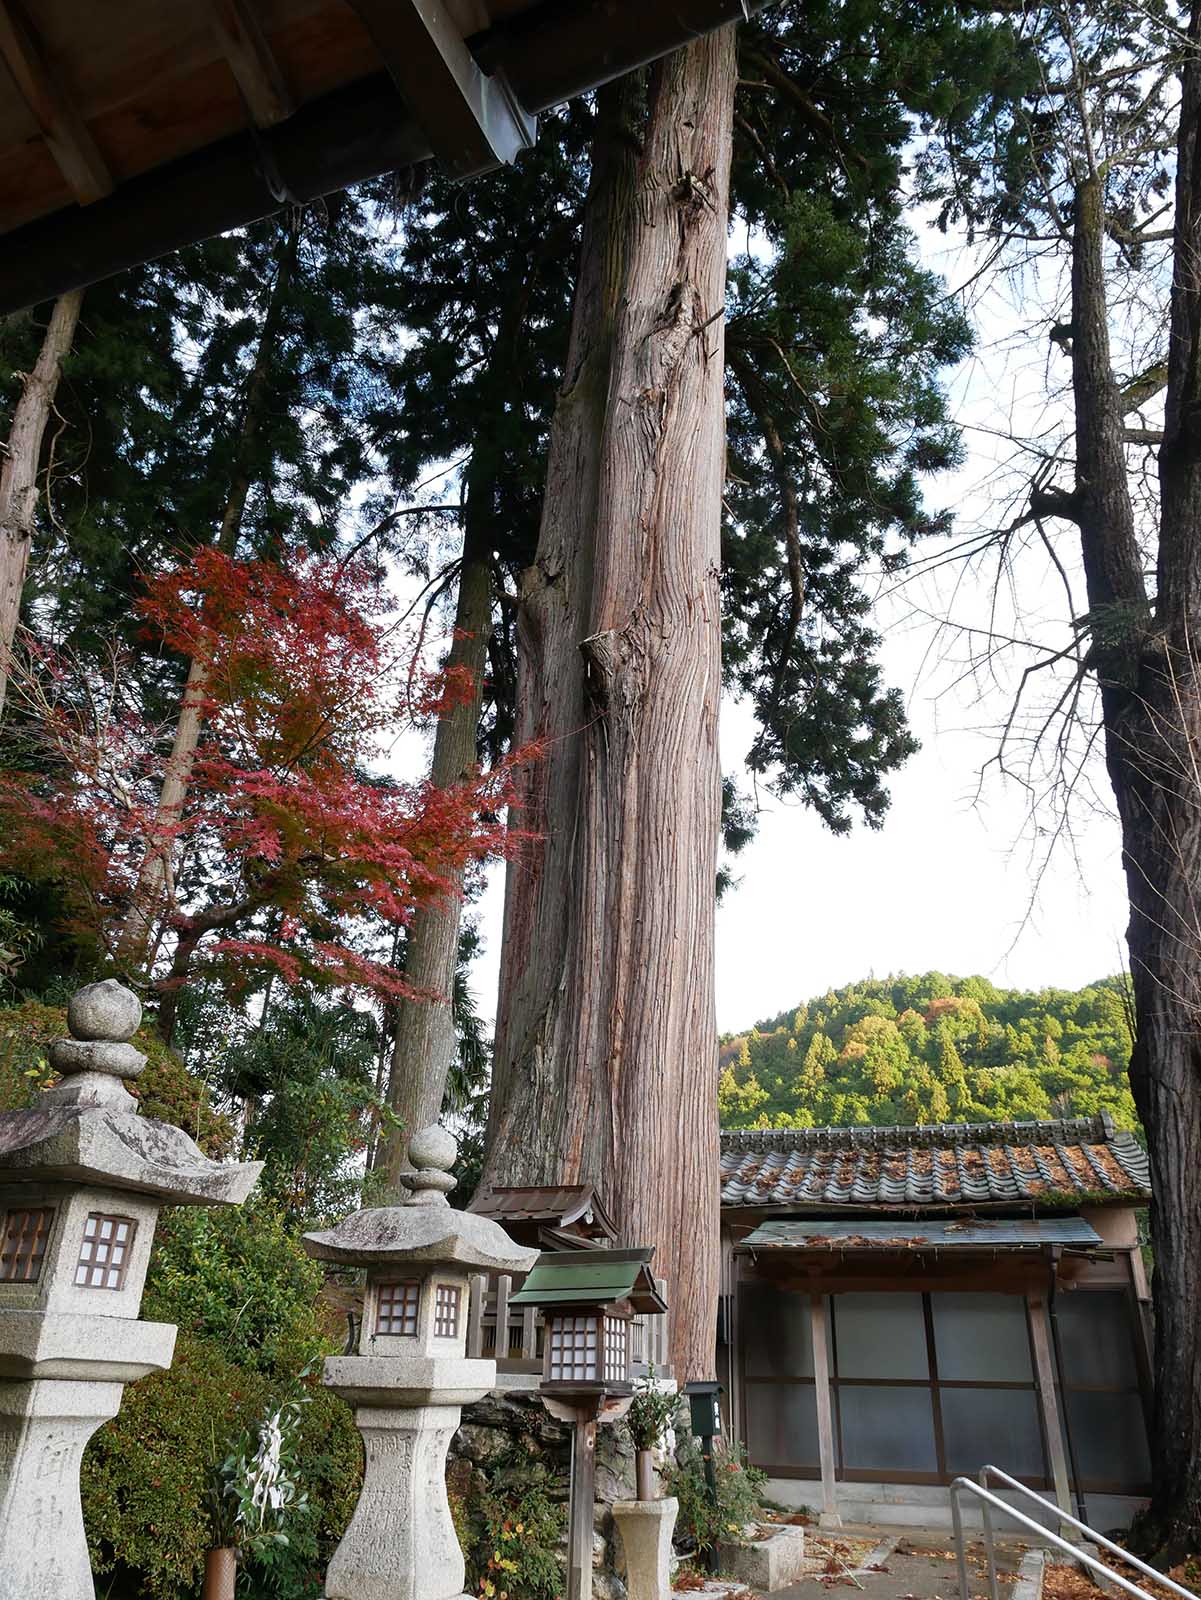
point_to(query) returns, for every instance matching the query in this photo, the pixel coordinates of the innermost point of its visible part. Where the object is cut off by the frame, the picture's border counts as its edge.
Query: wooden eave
(128, 131)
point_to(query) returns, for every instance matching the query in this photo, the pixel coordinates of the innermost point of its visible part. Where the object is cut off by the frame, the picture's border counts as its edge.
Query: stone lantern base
(646, 1527)
(45, 1423)
(401, 1543)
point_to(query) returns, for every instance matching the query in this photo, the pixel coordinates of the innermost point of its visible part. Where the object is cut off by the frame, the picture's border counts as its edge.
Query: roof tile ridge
(1099, 1129)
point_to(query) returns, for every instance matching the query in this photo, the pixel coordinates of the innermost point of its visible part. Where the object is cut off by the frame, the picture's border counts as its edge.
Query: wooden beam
(1045, 1370)
(252, 61)
(830, 1517)
(471, 120)
(64, 130)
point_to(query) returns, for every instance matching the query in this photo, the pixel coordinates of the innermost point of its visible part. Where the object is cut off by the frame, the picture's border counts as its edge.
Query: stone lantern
(82, 1180)
(411, 1376)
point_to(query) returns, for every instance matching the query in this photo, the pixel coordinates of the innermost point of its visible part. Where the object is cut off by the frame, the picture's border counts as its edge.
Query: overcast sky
(961, 878)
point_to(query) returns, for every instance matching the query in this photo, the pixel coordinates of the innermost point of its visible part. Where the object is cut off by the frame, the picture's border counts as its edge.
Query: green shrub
(701, 1522)
(146, 1477)
(240, 1278)
(650, 1414)
(145, 1473)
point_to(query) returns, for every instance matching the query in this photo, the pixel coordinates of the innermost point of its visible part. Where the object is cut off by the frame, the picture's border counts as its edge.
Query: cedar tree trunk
(21, 465)
(606, 1041)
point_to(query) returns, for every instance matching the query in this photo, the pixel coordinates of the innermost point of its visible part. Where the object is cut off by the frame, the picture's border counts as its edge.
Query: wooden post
(475, 1315)
(583, 1508)
(504, 1284)
(659, 1326)
(529, 1334)
(1045, 1371)
(830, 1517)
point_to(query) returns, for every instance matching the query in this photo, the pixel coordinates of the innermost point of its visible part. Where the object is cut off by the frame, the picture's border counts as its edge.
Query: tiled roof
(559, 1203)
(950, 1163)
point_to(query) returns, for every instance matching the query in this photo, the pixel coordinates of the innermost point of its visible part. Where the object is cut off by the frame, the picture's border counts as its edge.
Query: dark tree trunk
(1161, 823)
(606, 1041)
(1147, 670)
(425, 1039)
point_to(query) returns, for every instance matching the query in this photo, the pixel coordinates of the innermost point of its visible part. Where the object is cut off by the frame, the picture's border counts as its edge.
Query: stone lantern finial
(432, 1153)
(101, 1019)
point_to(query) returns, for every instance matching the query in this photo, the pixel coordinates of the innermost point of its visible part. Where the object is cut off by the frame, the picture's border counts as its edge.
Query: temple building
(901, 1306)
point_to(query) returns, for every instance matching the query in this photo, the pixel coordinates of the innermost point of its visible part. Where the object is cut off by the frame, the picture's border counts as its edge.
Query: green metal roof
(591, 1277)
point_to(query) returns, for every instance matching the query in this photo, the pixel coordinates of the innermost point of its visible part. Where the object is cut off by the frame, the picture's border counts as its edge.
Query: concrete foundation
(914, 1505)
(766, 1564)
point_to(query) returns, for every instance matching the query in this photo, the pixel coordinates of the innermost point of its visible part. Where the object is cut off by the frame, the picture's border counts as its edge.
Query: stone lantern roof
(87, 1129)
(424, 1229)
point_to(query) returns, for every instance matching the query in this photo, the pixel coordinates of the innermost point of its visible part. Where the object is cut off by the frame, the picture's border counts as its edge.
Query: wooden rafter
(64, 130)
(251, 60)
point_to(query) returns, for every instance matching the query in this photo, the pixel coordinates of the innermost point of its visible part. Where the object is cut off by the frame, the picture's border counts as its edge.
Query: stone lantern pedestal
(646, 1527)
(411, 1377)
(82, 1180)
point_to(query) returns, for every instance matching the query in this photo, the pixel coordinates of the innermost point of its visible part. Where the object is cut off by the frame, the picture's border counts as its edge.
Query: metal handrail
(1093, 1536)
(990, 1501)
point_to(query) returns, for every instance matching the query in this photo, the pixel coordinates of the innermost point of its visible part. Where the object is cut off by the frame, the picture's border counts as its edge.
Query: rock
(607, 1586)
(480, 1446)
(767, 1564)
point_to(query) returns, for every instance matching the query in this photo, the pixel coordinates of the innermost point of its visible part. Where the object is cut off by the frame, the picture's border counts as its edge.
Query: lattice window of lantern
(396, 1307)
(104, 1254)
(617, 1349)
(573, 1350)
(23, 1244)
(446, 1312)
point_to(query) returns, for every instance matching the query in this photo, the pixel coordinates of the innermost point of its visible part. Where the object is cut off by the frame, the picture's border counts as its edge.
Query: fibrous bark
(606, 1041)
(22, 465)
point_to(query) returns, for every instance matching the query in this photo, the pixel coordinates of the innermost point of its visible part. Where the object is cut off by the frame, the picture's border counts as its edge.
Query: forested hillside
(911, 1050)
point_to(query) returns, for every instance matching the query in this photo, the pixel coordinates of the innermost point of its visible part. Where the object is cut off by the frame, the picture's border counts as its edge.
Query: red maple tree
(296, 851)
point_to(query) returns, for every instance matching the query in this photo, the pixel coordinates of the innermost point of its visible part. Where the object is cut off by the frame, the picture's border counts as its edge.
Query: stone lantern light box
(83, 1178)
(588, 1300)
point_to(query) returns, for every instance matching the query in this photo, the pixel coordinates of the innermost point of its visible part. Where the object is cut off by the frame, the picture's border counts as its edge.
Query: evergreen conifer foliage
(837, 342)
